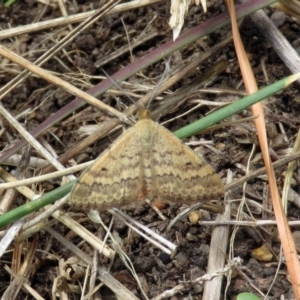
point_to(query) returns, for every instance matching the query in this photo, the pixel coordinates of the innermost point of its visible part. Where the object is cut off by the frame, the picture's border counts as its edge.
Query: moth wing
(182, 175)
(114, 178)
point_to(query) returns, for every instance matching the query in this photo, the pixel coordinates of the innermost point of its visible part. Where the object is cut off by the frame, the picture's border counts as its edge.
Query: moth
(146, 162)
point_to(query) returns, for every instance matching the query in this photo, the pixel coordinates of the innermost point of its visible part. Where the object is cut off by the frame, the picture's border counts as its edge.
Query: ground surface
(80, 64)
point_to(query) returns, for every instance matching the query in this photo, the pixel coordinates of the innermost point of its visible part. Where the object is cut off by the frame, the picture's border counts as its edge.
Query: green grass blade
(235, 107)
(35, 205)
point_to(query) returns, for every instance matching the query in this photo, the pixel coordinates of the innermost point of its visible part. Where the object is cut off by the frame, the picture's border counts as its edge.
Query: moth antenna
(167, 70)
(122, 90)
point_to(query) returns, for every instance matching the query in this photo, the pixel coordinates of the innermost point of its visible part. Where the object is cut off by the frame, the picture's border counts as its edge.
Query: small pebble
(278, 18)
